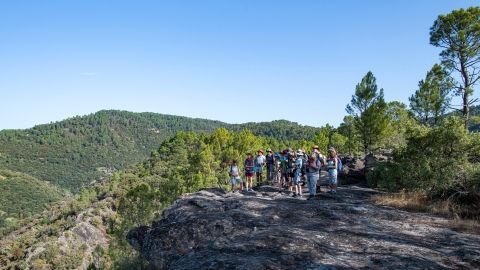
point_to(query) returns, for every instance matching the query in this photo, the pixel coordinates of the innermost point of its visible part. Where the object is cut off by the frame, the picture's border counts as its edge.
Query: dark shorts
(249, 174)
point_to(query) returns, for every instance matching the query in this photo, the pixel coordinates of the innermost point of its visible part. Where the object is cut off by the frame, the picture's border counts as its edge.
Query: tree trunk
(466, 108)
(466, 86)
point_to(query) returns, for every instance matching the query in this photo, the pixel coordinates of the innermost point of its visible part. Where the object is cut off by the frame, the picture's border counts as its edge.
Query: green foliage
(368, 109)
(400, 123)
(183, 164)
(458, 34)
(327, 137)
(353, 144)
(431, 100)
(74, 152)
(22, 196)
(281, 130)
(434, 160)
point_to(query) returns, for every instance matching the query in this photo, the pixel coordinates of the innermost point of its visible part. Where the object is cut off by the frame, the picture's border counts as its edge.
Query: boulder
(371, 160)
(268, 229)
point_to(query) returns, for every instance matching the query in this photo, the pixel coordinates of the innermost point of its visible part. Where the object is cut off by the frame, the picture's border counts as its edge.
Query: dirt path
(268, 229)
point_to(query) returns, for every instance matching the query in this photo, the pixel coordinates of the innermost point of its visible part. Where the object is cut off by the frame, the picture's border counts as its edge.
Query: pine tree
(458, 34)
(368, 109)
(431, 100)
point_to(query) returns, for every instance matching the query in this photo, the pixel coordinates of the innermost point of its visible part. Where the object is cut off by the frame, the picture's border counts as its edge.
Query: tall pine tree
(369, 112)
(458, 34)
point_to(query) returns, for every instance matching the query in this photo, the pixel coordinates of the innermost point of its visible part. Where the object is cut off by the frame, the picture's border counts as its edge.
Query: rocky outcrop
(268, 229)
(353, 170)
(356, 169)
(372, 160)
(76, 241)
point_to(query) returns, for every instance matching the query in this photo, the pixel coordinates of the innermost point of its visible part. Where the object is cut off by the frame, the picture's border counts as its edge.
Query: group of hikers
(288, 168)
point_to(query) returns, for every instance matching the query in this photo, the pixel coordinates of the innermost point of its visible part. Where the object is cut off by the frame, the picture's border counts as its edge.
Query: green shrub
(434, 160)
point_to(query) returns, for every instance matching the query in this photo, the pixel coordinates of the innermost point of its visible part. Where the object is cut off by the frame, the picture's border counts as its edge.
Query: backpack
(291, 164)
(304, 166)
(339, 165)
(283, 164)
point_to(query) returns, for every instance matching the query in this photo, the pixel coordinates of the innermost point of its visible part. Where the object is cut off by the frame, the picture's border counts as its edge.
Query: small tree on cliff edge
(368, 109)
(458, 34)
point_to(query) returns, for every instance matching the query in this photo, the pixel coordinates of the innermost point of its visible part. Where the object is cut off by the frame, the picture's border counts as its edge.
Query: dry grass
(419, 202)
(414, 201)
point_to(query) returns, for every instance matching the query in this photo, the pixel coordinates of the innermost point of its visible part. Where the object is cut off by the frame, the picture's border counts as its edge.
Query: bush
(436, 160)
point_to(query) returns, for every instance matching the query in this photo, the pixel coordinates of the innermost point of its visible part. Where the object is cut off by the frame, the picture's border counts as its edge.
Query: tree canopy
(458, 34)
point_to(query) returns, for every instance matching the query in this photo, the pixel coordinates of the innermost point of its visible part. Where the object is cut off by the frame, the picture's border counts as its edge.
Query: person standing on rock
(259, 163)
(332, 168)
(317, 154)
(283, 168)
(235, 179)
(298, 174)
(291, 169)
(249, 171)
(270, 160)
(313, 173)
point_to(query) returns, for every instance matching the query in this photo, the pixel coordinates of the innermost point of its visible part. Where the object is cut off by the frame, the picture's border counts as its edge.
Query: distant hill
(21, 193)
(281, 130)
(74, 152)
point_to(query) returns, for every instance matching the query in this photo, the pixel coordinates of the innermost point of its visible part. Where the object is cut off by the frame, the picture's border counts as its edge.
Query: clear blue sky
(235, 61)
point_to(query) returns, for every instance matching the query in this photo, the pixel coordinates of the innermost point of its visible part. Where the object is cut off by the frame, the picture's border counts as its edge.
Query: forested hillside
(281, 130)
(74, 152)
(187, 162)
(190, 161)
(22, 196)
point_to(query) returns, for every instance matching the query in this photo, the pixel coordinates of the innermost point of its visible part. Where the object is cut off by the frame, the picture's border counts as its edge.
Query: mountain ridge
(74, 152)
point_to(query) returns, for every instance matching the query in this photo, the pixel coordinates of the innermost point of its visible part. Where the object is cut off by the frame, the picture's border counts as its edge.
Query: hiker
(317, 154)
(278, 168)
(259, 163)
(270, 160)
(313, 174)
(298, 174)
(304, 165)
(249, 170)
(235, 179)
(332, 168)
(283, 168)
(291, 169)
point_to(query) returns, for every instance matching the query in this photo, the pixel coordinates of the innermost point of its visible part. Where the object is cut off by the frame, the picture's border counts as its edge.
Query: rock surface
(268, 229)
(354, 170)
